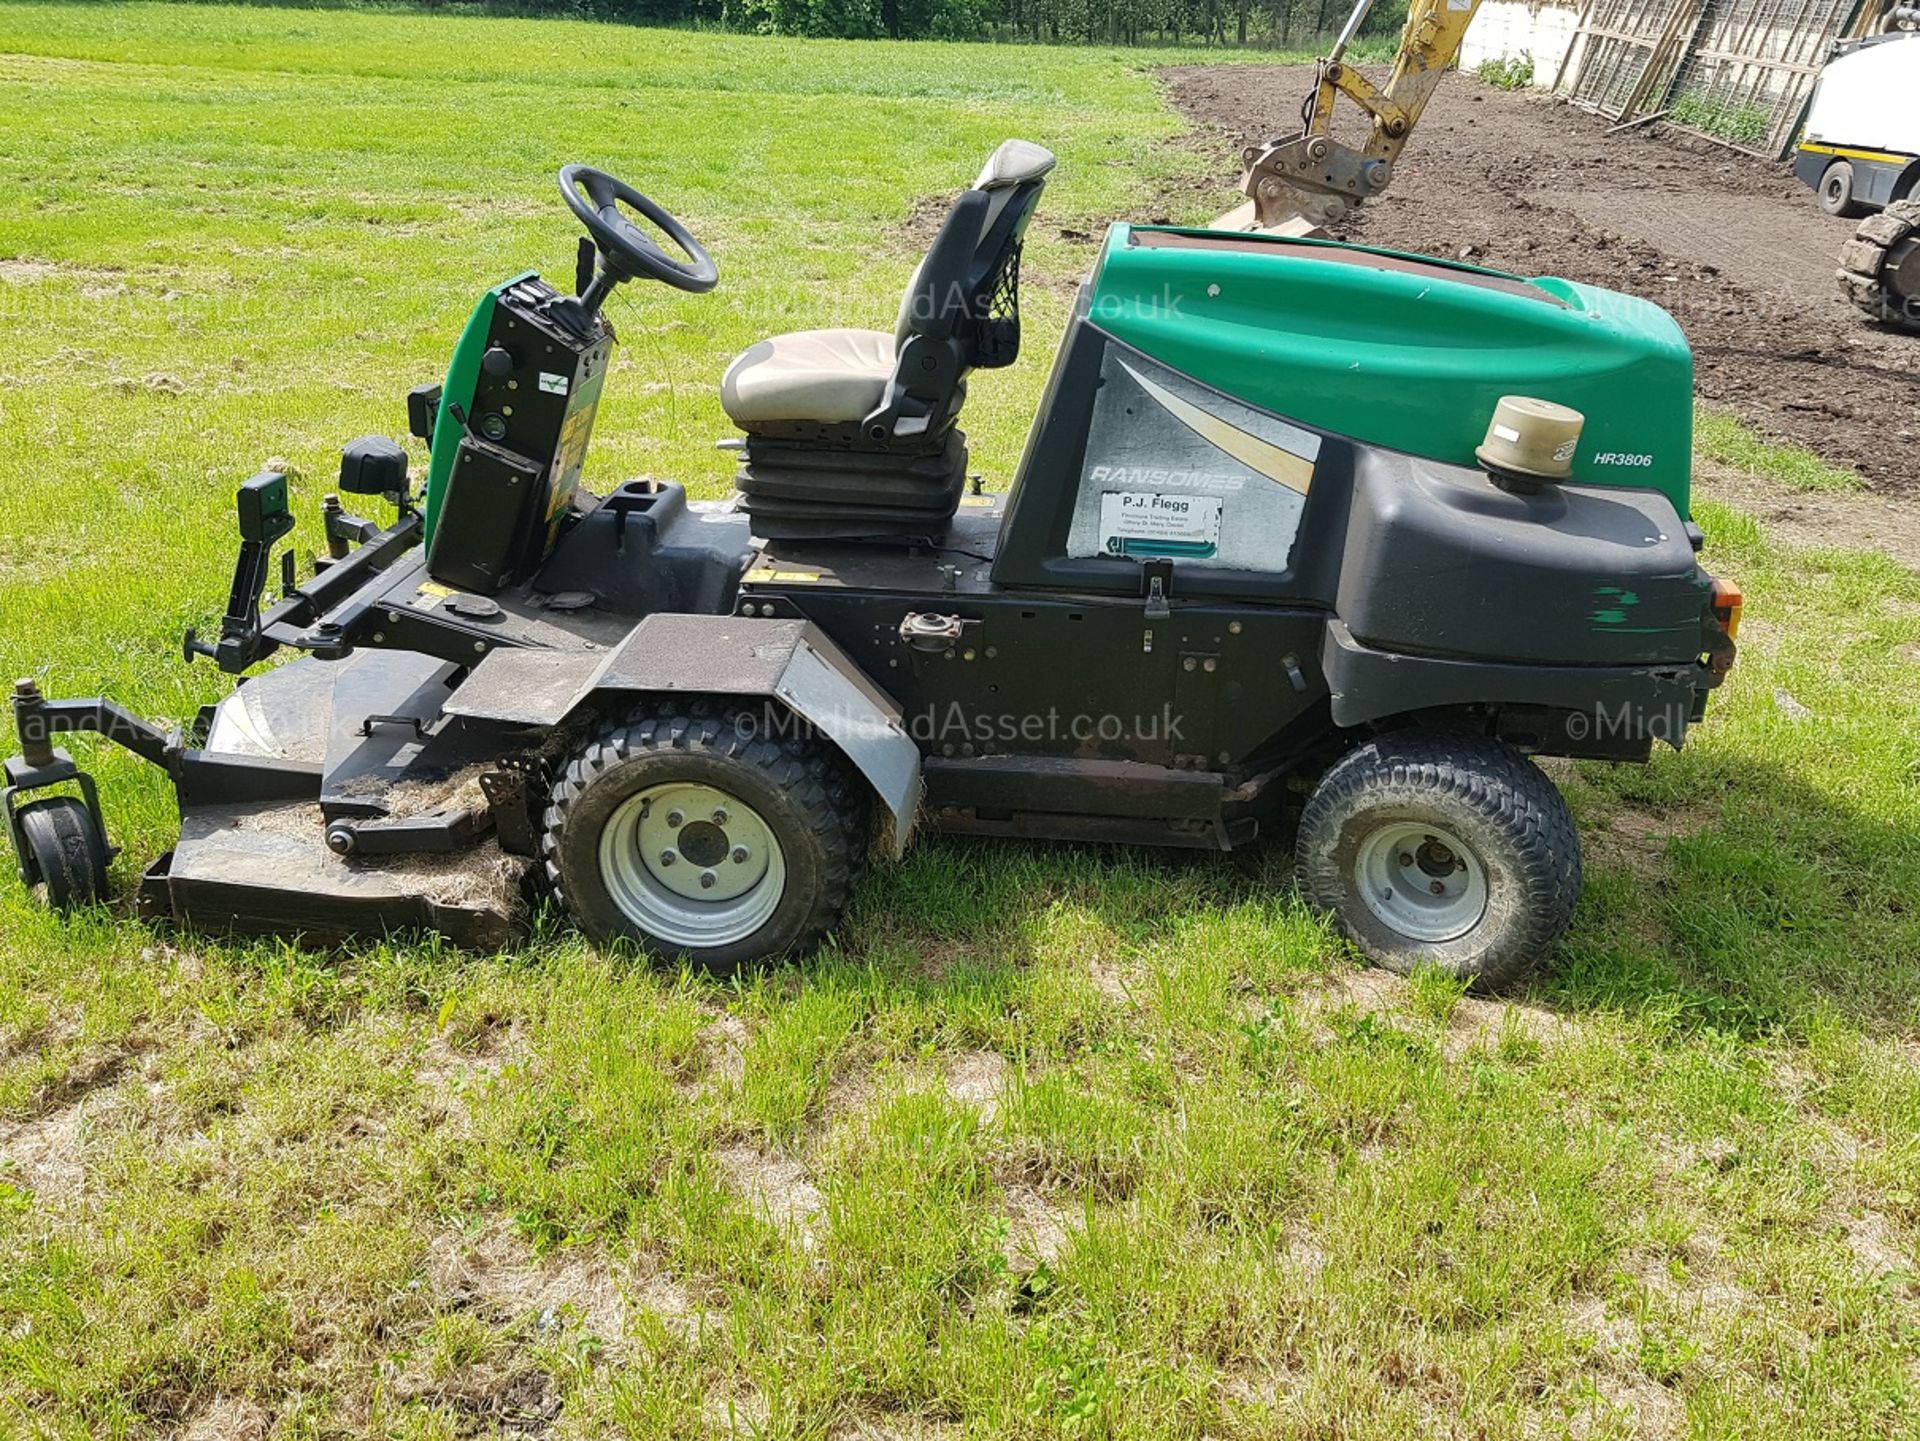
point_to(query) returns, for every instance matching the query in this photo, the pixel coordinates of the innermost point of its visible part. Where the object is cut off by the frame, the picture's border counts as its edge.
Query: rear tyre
(67, 850)
(1880, 266)
(1836, 192)
(1453, 850)
(696, 836)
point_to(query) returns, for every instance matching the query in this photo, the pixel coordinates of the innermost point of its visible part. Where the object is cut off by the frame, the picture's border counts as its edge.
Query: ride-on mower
(1301, 529)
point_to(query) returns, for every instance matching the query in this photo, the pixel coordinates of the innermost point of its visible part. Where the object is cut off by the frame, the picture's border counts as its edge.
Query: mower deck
(265, 867)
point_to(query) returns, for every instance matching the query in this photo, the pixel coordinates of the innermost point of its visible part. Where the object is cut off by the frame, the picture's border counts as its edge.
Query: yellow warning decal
(437, 590)
(767, 573)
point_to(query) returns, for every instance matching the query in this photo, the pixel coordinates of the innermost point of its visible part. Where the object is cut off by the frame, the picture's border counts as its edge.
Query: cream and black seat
(850, 434)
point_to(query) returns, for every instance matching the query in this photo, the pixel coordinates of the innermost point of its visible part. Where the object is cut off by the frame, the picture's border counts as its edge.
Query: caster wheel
(66, 851)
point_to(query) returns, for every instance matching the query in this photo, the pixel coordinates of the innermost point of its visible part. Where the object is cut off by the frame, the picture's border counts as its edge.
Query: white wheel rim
(691, 865)
(1421, 880)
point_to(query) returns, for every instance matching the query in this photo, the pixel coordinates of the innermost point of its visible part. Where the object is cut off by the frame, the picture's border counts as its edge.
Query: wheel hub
(703, 843)
(700, 843)
(1421, 880)
(691, 864)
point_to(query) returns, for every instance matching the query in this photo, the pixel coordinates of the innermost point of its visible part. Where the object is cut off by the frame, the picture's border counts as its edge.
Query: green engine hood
(1402, 351)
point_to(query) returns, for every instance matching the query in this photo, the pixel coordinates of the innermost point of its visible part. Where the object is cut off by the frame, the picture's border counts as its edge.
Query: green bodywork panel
(1403, 351)
(463, 372)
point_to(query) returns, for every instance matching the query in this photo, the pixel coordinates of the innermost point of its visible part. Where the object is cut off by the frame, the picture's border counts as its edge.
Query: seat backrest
(968, 285)
(962, 308)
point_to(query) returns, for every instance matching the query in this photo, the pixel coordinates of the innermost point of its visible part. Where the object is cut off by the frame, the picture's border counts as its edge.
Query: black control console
(536, 385)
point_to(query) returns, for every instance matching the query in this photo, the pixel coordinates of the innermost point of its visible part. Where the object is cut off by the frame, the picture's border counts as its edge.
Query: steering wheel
(595, 197)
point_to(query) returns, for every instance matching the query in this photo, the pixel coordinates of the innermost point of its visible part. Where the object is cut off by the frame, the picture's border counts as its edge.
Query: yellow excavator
(1300, 183)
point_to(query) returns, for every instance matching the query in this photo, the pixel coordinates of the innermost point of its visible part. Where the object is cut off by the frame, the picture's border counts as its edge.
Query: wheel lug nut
(720, 817)
(707, 879)
(740, 854)
(1437, 889)
(675, 820)
(1405, 859)
(667, 858)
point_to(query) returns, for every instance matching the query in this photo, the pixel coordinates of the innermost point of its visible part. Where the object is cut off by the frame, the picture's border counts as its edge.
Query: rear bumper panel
(1598, 710)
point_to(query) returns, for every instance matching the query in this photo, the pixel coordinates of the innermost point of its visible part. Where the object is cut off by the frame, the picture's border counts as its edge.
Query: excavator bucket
(1246, 217)
(1300, 183)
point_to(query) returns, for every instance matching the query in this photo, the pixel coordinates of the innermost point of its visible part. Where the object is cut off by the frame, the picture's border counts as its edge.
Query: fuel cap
(474, 607)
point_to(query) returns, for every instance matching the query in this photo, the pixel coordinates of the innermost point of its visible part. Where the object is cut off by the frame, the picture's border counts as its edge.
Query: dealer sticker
(1136, 522)
(553, 384)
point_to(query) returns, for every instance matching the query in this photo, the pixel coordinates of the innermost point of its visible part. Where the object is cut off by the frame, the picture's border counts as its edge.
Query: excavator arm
(1301, 182)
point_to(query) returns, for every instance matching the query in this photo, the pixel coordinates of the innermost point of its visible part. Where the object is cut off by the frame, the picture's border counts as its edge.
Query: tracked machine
(1304, 535)
(1860, 151)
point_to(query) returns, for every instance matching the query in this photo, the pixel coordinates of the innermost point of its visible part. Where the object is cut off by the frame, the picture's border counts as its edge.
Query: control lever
(264, 518)
(585, 260)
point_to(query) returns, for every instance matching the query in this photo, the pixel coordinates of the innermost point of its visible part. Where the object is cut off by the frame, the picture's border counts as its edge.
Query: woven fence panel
(1748, 70)
(1617, 43)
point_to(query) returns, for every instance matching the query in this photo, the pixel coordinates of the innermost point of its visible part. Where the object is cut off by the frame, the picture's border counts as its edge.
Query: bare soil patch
(1637, 837)
(1474, 1021)
(1037, 1229)
(47, 1156)
(1734, 247)
(45, 1152)
(1881, 519)
(977, 1079)
(498, 1271)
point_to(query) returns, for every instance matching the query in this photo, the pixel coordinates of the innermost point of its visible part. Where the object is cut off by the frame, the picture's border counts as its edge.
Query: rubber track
(1863, 259)
(812, 775)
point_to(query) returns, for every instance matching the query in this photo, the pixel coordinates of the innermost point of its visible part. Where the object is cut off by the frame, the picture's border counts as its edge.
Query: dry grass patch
(496, 1272)
(228, 1418)
(777, 1189)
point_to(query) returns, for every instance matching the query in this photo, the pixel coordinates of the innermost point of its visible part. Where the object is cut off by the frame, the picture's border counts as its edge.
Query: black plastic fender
(1638, 702)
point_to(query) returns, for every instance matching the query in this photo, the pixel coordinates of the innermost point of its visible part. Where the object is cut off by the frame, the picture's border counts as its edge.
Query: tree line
(1263, 23)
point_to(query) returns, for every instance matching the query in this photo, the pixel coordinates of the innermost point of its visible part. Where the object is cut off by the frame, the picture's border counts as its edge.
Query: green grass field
(1053, 1142)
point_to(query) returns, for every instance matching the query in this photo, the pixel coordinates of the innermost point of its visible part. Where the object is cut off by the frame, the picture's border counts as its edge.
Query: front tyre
(699, 837)
(1449, 849)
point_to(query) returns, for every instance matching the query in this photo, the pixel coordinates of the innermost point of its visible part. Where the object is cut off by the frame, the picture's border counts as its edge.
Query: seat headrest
(1014, 163)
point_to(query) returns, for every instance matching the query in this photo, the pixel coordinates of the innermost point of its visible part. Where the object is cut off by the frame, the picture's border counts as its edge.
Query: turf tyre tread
(1489, 794)
(804, 788)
